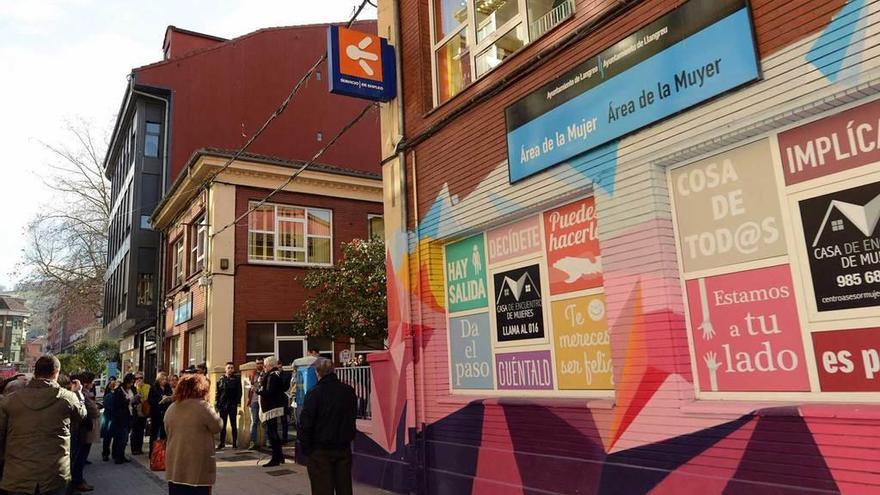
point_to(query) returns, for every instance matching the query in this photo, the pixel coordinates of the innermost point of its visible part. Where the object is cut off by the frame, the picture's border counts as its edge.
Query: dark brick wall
(273, 293)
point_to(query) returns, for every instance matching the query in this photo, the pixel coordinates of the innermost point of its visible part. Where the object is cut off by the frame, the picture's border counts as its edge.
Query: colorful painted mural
(653, 436)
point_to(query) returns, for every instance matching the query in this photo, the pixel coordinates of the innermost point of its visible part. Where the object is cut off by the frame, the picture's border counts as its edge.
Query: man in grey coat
(35, 426)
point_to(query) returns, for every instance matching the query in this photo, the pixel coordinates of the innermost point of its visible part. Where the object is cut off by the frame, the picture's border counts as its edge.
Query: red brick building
(233, 289)
(68, 326)
(209, 92)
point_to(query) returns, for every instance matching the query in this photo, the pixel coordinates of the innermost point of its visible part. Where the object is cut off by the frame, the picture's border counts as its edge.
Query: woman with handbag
(273, 404)
(191, 423)
(159, 398)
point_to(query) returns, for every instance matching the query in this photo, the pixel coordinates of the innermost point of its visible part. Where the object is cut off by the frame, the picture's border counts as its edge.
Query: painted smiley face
(596, 309)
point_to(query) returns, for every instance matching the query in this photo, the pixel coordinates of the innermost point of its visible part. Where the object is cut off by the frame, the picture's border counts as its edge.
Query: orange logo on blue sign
(360, 54)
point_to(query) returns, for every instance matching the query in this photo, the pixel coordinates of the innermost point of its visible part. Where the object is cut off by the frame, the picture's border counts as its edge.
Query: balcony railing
(551, 19)
(359, 379)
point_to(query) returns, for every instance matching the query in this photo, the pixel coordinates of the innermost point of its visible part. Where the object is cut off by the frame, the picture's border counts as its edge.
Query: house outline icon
(516, 286)
(865, 218)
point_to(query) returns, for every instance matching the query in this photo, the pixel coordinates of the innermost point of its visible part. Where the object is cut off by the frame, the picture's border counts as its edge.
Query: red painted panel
(848, 360)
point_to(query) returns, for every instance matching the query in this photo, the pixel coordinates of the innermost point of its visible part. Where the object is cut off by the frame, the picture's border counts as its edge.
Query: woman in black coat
(159, 400)
(124, 398)
(273, 402)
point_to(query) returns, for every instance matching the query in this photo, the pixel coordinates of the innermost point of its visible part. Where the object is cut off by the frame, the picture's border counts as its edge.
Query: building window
(376, 226)
(151, 139)
(196, 346)
(290, 235)
(198, 241)
(471, 37)
(183, 309)
(260, 339)
(177, 262)
(174, 355)
(145, 289)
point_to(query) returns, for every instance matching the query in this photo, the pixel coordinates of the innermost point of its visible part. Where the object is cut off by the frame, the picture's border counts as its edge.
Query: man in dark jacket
(227, 400)
(35, 426)
(83, 436)
(326, 430)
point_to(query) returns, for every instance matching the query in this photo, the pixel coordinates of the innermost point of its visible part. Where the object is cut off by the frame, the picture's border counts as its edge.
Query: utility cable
(283, 106)
(298, 171)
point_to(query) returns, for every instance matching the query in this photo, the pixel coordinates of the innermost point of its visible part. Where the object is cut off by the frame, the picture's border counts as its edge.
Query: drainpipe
(418, 340)
(206, 273)
(160, 272)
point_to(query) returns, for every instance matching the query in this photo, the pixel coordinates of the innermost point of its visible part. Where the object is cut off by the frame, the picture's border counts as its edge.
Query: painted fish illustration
(576, 268)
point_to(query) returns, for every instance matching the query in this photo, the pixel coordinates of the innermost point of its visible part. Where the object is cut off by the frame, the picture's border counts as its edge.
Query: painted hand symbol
(708, 330)
(711, 360)
(706, 326)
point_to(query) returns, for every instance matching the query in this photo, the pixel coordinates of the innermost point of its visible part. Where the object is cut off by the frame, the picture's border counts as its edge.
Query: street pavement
(238, 472)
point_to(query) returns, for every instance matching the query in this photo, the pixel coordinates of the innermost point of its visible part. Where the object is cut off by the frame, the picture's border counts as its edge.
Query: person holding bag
(159, 398)
(191, 423)
(273, 403)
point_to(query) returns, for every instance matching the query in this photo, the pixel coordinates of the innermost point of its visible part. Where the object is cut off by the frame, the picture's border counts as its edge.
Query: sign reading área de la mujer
(700, 50)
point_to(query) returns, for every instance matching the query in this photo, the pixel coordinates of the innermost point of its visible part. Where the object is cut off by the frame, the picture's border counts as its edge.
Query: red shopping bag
(157, 458)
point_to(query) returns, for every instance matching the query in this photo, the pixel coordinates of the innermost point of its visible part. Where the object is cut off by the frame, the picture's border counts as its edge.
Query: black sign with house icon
(843, 246)
(519, 311)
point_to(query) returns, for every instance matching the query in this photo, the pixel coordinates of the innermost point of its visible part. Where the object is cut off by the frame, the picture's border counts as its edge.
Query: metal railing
(359, 379)
(551, 19)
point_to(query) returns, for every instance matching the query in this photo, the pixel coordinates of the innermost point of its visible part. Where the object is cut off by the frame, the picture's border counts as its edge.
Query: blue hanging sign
(362, 65)
(698, 51)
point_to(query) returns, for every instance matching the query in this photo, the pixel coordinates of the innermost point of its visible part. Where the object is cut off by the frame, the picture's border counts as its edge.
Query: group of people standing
(128, 404)
(44, 428)
(48, 424)
(325, 421)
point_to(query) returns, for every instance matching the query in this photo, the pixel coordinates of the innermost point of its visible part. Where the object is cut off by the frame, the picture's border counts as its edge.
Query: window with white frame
(174, 354)
(290, 234)
(196, 346)
(261, 336)
(177, 261)
(198, 240)
(471, 37)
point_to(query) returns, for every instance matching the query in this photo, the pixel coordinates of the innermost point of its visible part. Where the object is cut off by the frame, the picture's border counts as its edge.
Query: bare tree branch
(66, 255)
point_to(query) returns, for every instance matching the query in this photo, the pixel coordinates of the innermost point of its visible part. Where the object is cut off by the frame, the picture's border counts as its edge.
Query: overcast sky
(62, 60)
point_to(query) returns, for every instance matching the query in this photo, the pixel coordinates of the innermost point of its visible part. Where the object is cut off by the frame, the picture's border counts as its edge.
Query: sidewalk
(238, 472)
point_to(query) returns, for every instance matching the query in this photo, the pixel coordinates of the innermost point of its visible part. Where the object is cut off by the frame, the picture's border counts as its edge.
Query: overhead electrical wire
(283, 106)
(298, 171)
